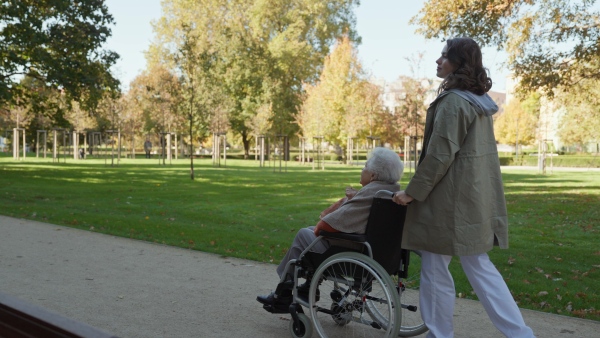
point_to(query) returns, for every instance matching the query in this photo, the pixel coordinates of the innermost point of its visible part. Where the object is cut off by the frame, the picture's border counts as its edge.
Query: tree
(342, 104)
(139, 99)
(38, 109)
(580, 123)
(58, 43)
(264, 50)
(365, 105)
(20, 116)
(158, 91)
(409, 115)
(200, 94)
(108, 112)
(133, 115)
(78, 118)
(550, 43)
(261, 123)
(298, 36)
(518, 124)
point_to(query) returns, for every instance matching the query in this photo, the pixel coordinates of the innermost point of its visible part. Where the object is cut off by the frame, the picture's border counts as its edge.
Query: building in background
(393, 92)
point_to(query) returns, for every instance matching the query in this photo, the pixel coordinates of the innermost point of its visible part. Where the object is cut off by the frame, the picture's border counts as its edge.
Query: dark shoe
(275, 304)
(267, 299)
(273, 299)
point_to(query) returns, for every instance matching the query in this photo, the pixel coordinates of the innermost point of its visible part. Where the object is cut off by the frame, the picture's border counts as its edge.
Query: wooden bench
(19, 320)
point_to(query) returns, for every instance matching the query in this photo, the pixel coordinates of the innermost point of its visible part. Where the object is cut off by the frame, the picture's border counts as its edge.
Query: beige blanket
(352, 216)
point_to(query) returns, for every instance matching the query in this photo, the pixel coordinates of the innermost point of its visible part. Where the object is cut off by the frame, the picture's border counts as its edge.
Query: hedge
(556, 161)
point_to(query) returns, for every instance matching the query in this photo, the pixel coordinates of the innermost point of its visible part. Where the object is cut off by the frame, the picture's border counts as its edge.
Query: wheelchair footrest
(277, 308)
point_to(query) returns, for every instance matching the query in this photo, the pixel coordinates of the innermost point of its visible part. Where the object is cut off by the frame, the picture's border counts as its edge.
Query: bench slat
(19, 320)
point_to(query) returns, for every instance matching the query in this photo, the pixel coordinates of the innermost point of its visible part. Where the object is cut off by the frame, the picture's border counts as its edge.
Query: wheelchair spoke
(347, 284)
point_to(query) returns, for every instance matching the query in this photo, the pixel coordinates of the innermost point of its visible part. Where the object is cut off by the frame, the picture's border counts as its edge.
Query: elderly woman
(350, 214)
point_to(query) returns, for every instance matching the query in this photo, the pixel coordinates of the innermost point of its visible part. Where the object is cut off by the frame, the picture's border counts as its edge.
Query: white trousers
(437, 295)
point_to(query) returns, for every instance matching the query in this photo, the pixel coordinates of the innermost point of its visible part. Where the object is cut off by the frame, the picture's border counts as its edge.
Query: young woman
(456, 197)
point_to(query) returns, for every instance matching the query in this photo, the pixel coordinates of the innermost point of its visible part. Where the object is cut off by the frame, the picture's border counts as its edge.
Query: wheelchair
(360, 286)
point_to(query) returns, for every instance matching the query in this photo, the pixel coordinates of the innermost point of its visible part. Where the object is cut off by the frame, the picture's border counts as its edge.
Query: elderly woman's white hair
(385, 164)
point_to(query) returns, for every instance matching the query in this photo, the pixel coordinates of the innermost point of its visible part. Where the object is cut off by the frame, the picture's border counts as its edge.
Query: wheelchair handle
(384, 193)
(388, 194)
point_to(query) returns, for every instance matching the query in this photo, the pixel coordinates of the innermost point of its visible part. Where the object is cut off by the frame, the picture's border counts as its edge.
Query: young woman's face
(444, 67)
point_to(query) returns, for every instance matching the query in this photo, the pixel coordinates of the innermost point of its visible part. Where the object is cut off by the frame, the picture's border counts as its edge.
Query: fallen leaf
(542, 293)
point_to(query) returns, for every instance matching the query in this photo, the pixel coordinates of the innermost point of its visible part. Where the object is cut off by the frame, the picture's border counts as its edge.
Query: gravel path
(137, 289)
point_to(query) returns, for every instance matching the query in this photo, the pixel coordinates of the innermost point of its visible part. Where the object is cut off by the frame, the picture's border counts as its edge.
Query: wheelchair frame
(361, 289)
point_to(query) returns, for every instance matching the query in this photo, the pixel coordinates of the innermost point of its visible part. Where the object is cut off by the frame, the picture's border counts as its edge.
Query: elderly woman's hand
(351, 192)
(402, 198)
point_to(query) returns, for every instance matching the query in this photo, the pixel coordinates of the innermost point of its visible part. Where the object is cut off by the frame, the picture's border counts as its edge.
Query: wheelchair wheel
(301, 329)
(345, 282)
(412, 323)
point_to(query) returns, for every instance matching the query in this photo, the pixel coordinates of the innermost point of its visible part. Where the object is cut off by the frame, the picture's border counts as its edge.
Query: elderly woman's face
(366, 176)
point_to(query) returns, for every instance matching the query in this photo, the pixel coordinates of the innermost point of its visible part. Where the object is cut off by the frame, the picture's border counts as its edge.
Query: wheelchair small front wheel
(302, 328)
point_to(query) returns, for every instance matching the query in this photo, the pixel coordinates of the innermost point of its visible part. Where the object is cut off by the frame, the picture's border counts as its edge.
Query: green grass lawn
(245, 211)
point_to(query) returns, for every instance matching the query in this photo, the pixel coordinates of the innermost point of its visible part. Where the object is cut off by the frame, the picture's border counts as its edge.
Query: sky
(387, 40)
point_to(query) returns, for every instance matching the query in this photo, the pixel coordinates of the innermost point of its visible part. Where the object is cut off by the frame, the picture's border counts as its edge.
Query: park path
(132, 288)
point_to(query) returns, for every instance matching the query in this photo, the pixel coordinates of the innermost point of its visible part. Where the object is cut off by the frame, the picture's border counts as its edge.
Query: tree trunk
(246, 143)
(191, 147)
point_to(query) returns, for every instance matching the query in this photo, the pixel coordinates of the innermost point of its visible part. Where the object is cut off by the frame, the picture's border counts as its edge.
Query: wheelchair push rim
(347, 281)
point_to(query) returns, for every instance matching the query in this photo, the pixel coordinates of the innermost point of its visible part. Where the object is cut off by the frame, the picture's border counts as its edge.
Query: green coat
(459, 207)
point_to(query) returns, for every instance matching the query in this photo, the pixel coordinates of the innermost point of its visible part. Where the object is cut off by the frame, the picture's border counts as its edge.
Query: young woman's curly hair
(465, 54)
